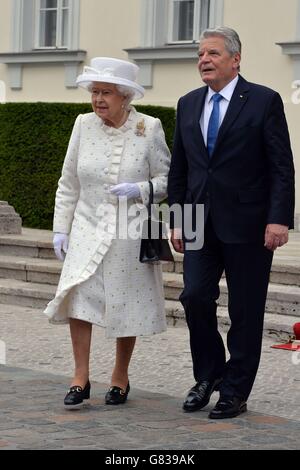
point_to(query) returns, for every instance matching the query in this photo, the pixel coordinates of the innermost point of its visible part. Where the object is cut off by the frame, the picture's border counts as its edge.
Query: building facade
(45, 43)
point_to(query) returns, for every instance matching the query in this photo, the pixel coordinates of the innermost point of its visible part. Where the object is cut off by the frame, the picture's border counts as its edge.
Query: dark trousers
(247, 269)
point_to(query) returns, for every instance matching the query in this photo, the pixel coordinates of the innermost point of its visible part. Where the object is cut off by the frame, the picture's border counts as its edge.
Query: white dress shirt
(226, 93)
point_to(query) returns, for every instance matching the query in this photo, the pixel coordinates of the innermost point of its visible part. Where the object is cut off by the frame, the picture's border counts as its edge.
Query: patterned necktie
(213, 125)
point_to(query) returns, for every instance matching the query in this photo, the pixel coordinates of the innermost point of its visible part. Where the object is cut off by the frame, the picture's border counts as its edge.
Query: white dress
(102, 280)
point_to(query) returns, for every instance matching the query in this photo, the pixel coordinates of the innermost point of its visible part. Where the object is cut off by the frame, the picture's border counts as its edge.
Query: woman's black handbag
(154, 244)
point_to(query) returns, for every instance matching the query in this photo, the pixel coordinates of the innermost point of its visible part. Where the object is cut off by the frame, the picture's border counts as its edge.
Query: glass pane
(48, 28)
(65, 28)
(183, 20)
(66, 3)
(204, 15)
(48, 4)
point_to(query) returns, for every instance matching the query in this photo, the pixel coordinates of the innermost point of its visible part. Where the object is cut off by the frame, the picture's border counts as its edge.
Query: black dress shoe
(228, 407)
(199, 395)
(75, 396)
(116, 395)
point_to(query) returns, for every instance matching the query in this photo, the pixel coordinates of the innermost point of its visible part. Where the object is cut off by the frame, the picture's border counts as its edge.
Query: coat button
(210, 171)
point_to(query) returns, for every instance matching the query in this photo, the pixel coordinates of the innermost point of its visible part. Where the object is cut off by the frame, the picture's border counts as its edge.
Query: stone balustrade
(10, 221)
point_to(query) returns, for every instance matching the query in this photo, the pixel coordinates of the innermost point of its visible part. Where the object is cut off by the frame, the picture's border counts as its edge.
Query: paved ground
(33, 418)
(32, 415)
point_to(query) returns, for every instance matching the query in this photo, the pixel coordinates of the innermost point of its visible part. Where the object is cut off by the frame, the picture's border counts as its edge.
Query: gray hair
(123, 90)
(127, 92)
(231, 38)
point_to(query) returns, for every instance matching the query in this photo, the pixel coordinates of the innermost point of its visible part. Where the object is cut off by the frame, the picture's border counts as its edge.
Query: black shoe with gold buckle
(75, 396)
(116, 395)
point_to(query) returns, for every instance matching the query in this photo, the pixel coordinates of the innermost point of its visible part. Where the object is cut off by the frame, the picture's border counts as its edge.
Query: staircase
(29, 273)
(283, 293)
(283, 301)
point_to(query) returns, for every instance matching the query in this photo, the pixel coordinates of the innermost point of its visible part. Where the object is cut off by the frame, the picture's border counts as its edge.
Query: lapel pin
(241, 96)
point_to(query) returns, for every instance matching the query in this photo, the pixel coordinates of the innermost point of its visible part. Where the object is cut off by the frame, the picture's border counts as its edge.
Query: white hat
(109, 70)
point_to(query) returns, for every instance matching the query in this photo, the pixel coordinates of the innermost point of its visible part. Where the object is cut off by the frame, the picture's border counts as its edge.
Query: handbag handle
(150, 198)
(151, 201)
(150, 214)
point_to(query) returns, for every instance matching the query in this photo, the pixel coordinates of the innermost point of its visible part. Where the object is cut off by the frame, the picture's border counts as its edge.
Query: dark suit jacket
(248, 182)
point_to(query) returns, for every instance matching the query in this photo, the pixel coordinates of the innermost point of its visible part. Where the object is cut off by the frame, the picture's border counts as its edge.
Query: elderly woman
(113, 151)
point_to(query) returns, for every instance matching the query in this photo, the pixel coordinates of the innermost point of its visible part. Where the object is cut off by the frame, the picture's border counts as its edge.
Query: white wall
(106, 28)
(5, 31)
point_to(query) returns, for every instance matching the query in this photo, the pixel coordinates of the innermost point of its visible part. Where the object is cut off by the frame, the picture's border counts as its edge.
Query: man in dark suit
(231, 153)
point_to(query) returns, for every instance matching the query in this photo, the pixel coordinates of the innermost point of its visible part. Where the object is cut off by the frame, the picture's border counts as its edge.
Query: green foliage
(33, 142)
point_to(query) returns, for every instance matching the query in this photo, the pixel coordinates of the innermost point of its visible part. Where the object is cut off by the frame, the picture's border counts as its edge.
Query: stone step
(278, 327)
(47, 271)
(37, 273)
(38, 244)
(285, 270)
(282, 299)
(33, 295)
(30, 243)
(39, 270)
(29, 258)
(27, 294)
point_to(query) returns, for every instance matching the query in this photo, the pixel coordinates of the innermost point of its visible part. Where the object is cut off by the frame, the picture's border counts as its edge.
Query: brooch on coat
(140, 128)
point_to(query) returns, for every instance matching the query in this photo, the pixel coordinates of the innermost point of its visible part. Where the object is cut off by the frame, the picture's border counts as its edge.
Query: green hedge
(33, 142)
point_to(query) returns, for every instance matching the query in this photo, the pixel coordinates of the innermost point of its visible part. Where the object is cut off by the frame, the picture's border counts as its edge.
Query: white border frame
(59, 19)
(171, 21)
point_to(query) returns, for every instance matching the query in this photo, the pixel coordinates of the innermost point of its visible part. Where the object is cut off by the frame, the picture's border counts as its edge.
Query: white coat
(130, 294)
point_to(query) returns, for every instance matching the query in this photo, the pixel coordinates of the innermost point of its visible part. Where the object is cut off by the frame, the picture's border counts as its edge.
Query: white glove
(60, 243)
(130, 190)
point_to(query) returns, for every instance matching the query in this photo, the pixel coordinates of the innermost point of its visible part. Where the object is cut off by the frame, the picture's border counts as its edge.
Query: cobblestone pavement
(32, 417)
(160, 364)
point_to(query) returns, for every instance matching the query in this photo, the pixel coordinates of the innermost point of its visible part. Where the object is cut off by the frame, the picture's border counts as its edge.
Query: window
(170, 30)
(44, 32)
(53, 17)
(187, 18)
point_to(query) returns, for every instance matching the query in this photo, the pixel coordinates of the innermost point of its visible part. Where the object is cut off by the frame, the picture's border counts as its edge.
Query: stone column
(10, 221)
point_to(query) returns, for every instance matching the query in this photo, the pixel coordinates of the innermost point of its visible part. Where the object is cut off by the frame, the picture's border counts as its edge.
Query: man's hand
(176, 240)
(275, 236)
